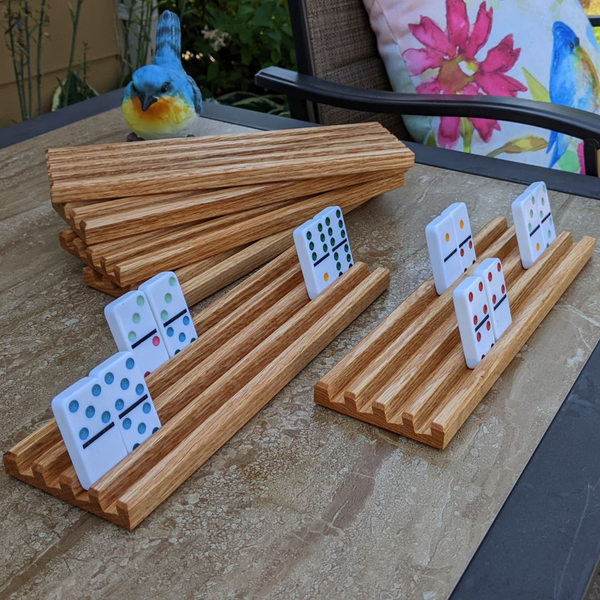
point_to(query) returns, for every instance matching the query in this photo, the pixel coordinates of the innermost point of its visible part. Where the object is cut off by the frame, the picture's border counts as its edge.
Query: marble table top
(303, 502)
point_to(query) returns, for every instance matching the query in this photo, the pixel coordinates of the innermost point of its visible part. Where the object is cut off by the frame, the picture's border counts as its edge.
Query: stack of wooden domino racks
(211, 208)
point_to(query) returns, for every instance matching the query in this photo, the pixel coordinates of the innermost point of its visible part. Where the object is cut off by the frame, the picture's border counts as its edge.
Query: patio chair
(341, 79)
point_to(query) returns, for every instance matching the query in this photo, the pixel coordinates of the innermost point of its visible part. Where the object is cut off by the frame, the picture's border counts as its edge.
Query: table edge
(547, 530)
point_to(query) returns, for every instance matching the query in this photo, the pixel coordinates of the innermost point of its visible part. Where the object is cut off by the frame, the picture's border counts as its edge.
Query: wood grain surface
(409, 375)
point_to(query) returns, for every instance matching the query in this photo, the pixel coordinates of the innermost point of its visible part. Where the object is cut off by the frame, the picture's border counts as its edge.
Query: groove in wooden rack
(409, 376)
(249, 347)
(192, 228)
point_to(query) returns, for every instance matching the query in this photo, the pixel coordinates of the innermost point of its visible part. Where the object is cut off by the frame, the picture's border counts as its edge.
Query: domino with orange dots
(534, 223)
(462, 228)
(323, 249)
(442, 242)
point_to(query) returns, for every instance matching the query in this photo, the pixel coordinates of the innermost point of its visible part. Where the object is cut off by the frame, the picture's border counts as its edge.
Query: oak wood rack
(408, 375)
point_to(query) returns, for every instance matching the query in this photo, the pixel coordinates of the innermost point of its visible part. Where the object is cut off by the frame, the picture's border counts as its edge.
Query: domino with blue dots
(87, 421)
(323, 249)
(170, 310)
(130, 399)
(134, 329)
(104, 417)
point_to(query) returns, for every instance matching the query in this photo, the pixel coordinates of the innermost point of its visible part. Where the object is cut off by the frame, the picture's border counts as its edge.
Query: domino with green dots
(534, 223)
(134, 328)
(323, 249)
(170, 310)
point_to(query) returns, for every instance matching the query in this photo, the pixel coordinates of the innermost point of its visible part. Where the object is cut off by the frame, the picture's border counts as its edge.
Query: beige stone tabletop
(303, 502)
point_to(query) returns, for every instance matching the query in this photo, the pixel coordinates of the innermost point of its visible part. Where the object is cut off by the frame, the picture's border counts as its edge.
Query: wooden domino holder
(164, 230)
(212, 173)
(409, 376)
(251, 343)
(127, 262)
(211, 273)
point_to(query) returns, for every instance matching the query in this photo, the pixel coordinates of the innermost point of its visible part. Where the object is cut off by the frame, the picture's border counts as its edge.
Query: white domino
(490, 270)
(134, 328)
(135, 414)
(88, 425)
(528, 210)
(474, 322)
(170, 311)
(323, 249)
(462, 228)
(442, 243)
(546, 216)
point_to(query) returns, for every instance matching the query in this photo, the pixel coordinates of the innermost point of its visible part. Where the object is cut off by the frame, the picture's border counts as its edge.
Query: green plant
(226, 42)
(24, 29)
(136, 24)
(74, 87)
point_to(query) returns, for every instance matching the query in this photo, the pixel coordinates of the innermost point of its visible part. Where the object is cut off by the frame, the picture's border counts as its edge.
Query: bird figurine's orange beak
(147, 101)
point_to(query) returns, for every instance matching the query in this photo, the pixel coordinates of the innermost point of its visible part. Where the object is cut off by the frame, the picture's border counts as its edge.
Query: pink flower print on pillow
(453, 53)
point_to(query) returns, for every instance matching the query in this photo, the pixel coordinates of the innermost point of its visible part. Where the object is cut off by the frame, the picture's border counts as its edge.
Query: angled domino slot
(129, 399)
(323, 249)
(462, 227)
(170, 310)
(88, 425)
(492, 273)
(474, 320)
(134, 329)
(442, 243)
(526, 210)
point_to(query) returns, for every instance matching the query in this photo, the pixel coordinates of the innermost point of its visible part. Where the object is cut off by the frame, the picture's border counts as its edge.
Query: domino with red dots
(323, 249)
(491, 272)
(88, 424)
(129, 397)
(170, 310)
(474, 321)
(134, 329)
(534, 223)
(462, 228)
(442, 243)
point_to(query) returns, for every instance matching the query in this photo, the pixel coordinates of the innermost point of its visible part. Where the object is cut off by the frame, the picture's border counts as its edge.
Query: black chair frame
(302, 87)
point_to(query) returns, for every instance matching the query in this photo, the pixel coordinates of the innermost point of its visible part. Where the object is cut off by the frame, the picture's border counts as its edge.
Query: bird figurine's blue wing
(162, 101)
(573, 82)
(197, 94)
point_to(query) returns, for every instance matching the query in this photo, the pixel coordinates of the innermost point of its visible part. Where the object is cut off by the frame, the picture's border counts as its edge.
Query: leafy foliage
(135, 17)
(227, 41)
(74, 88)
(24, 30)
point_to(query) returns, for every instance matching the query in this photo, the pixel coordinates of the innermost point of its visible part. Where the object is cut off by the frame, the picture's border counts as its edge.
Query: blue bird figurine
(162, 101)
(573, 82)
